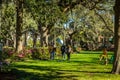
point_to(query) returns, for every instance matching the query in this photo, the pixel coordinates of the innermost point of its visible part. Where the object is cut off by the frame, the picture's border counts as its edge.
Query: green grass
(82, 66)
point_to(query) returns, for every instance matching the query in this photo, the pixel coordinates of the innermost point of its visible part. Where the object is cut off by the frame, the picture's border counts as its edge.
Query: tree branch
(104, 21)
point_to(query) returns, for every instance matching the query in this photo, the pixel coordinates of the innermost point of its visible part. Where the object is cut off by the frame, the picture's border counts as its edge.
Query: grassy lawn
(82, 66)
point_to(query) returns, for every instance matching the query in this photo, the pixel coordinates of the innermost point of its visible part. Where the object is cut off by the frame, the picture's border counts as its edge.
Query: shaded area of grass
(82, 66)
(7, 76)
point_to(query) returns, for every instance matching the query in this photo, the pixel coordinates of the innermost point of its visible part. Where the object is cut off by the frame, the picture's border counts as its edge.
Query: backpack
(62, 48)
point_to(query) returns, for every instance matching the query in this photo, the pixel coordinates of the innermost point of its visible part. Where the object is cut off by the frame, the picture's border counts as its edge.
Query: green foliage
(28, 21)
(10, 56)
(7, 20)
(40, 53)
(87, 25)
(44, 12)
(6, 58)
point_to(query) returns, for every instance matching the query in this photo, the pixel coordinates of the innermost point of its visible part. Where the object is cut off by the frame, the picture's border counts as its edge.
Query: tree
(7, 22)
(89, 24)
(19, 10)
(46, 14)
(0, 16)
(116, 64)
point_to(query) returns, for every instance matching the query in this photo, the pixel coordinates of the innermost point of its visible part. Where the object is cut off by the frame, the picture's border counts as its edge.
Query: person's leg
(106, 60)
(101, 57)
(64, 55)
(68, 56)
(53, 55)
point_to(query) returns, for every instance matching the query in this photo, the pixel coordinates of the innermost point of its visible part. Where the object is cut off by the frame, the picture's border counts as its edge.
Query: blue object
(60, 41)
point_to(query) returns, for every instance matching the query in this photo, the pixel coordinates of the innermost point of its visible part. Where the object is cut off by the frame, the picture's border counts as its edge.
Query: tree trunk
(41, 34)
(7, 42)
(25, 39)
(1, 16)
(0, 2)
(46, 44)
(19, 8)
(44, 36)
(14, 40)
(116, 64)
(34, 40)
(41, 38)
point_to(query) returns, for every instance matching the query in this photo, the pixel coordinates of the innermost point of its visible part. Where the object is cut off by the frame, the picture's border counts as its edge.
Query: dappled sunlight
(81, 66)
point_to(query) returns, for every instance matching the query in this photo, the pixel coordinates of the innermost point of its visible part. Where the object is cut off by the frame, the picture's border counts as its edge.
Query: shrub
(6, 59)
(25, 53)
(34, 53)
(40, 53)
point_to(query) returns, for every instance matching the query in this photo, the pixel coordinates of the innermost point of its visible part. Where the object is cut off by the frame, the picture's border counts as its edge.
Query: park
(59, 40)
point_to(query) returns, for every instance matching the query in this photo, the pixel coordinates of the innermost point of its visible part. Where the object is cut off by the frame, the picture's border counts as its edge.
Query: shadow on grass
(51, 72)
(22, 75)
(7, 76)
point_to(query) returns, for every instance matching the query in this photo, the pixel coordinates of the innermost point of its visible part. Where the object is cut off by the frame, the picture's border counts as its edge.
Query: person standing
(63, 51)
(104, 55)
(68, 52)
(52, 51)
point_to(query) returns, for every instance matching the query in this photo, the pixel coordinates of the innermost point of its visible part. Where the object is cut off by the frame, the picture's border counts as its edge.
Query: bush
(34, 53)
(40, 53)
(25, 53)
(6, 59)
